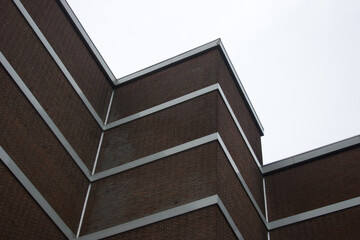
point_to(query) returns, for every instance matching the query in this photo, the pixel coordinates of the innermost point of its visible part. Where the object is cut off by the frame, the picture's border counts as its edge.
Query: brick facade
(190, 169)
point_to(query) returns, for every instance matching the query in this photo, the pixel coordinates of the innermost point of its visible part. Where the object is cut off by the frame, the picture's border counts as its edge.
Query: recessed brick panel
(165, 85)
(315, 184)
(37, 152)
(72, 51)
(37, 69)
(166, 183)
(339, 225)
(21, 217)
(159, 131)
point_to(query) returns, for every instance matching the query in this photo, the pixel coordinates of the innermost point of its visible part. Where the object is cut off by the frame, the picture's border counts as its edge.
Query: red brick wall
(181, 79)
(32, 62)
(165, 85)
(240, 153)
(166, 183)
(38, 153)
(315, 184)
(159, 131)
(339, 225)
(72, 51)
(206, 223)
(21, 217)
(185, 177)
(237, 201)
(238, 105)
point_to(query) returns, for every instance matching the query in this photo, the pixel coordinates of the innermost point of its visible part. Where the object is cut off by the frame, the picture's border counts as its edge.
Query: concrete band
(180, 148)
(153, 218)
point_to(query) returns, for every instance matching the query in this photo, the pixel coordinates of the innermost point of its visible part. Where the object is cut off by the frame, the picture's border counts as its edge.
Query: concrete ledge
(311, 155)
(35, 194)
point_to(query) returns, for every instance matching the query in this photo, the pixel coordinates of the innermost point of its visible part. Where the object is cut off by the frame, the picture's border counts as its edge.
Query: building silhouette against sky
(170, 152)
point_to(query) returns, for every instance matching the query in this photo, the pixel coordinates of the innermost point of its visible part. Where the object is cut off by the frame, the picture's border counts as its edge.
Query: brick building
(170, 152)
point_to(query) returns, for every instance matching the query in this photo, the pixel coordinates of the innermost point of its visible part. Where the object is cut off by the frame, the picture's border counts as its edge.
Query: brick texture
(339, 225)
(239, 106)
(37, 152)
(185, 177)
(237, 201)
(180, 79)
(206, 223)
(166, 183)
(240, 153)
(72, 51)
(159, 131)
(24, 218)
(32, 62)
(314, 184)
(151, 188)
(164, 85)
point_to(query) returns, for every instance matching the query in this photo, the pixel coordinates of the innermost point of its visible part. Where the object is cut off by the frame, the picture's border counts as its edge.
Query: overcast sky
(299, 61)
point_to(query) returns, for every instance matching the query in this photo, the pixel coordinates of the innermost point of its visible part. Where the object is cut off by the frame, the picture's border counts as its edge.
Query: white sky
(299, 61)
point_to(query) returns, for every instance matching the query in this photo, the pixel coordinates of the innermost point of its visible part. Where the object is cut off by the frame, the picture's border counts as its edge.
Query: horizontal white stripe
(155, 156)
(303, 157)
(35, 194)
(160, 216)
(314, 213)
(59, 62)
(87, 39)
(162, 106)
(44, 115)
(168, 213)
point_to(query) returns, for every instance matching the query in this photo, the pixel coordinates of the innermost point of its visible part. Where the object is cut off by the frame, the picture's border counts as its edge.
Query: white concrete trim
(36, 194)
(83, 211)
(160, 216)
(165, 214)
(241, 179)
(97, 155)
(242, 89)
(58, 61)
(229, 219)
(178, 149)
(88, 41)
(150, 110)
(216, 43)
(306, 156)
(155, 156)
(314, 213)
(140, 222)
(109, 107)
(213, 44)
(316, 153)
(185, 98)
(162, 106)
(168, 62)
(265, 201)
(241, 131)
(31, 98)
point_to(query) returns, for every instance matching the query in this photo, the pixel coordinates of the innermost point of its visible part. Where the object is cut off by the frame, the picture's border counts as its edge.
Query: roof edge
(87, 40)
(191, 53)
(238, 81)
(160, 65)
(168, 62)
(312, 154)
